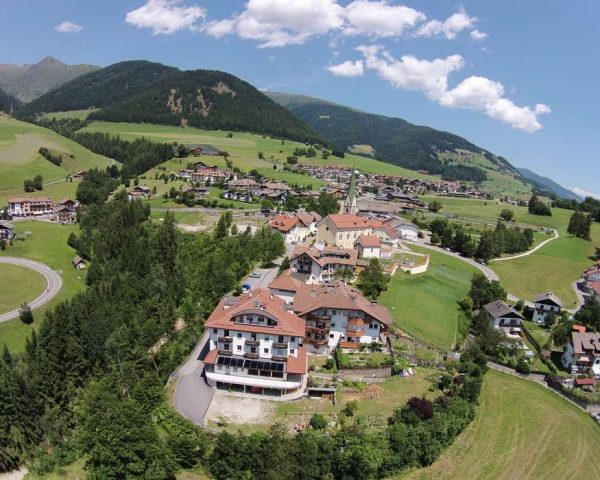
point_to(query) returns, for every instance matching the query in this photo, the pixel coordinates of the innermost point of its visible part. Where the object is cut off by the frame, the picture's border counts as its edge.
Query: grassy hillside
(244, 149)
(396, 141)
(432, 297)
(521, 431)
(552, 268)
(20, 160)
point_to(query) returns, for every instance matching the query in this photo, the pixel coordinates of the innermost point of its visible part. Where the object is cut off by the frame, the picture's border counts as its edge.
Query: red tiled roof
(308, 218)
(327, 255)
(297, 365)
(256, 302)
(579, 328)
(211, 357)
(36, 200)
(283, 223)
(580, 382)
(368, 241)
(287, 281)
(337, 295)
(595, 286)
(345, 221)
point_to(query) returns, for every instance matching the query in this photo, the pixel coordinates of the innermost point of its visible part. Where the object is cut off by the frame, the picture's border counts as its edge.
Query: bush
(350, 408)
(523, 366)
(318, 422)
(25, 314)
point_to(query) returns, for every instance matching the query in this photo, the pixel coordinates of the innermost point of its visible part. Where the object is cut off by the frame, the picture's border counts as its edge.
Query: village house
(7, 230)
(406, 230)
(387, 235)
(338, 315)
(544, 304)
(237, 195)
(582, 354)
(256, 346)
(139, 192)
(377, 209)
(320, 262)
(78, 262)
(290, 227)
(198, 190)
(368, 246)
(210, 175)
(65, 211)
(287, 284)
(591, 283)
(502, 316)
(244, 184)
(343, 230)
(30, 207)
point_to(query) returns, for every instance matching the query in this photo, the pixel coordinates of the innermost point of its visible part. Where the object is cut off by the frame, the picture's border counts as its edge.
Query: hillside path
(528, 252)
(53, 283)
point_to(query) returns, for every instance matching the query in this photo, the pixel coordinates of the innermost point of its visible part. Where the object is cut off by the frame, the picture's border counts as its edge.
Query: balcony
(251, 355)
(317, 342)
(282, 346)
(279, 358)
(355, 332)
(322, 329)
(223, 339)
(252, 343)
(225, 352)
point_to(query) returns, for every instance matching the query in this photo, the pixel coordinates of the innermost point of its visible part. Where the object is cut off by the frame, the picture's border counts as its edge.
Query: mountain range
(8, 103)
(142, 91)
(28, 82)
(549, 185)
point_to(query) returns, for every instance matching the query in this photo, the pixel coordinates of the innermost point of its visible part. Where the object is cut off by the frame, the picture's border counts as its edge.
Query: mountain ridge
(549, 184)
(30, 81)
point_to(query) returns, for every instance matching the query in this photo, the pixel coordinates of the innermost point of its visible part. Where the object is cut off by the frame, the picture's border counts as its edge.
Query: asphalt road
(53, 283)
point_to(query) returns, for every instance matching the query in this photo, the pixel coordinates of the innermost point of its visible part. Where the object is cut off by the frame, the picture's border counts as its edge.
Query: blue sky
(518, 78)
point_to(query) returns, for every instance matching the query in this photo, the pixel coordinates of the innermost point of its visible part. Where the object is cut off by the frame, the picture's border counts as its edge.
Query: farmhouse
(337, 314)
(378, 209)
(65, 211)
(78, 262)
(320, 262)
(500, 315)
(368, 246)
(30, 207)
(256, 346)
(582, 354)
(7, 231)
(544, 304)
(290, 227)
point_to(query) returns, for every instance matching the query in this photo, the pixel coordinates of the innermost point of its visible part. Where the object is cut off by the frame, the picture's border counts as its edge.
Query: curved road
(528, 252)
(53, 283)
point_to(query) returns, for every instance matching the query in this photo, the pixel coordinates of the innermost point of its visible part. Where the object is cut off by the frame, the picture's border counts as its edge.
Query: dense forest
(6, 101)
(100, 88)
(395, 140)
(141, 91)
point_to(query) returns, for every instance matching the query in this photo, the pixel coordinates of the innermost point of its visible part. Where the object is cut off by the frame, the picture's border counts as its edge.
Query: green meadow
(19, 285)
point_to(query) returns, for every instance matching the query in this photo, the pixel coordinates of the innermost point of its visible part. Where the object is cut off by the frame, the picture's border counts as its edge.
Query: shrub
(350, 408)
(318, 422)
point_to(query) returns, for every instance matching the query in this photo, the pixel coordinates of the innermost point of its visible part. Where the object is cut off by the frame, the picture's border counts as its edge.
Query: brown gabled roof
(499, 309)
(36, 200)
(337, 295)
(288, 281)
(548, 297)
(283, 223)
(345, 221)
(390, 231)
(297, 365)
(586, 342)
(368, 241)
(595, 286)
(308, 218)
(327, 255)
(259, 302)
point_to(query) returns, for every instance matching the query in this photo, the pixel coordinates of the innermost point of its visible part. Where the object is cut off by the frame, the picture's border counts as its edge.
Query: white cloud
(431, 78)
(585, 193)
(379, 18)
(68, 27)
(347, 69)
(277, 23)
(478, 35)
(449, 28)
(165, 17)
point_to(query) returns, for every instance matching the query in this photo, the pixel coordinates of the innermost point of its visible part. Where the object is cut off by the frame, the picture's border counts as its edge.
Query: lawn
(424, 305)
(20, 160)
(47, 244)
(19, 285)
(554, 267)
(80, 114)
(522, 431)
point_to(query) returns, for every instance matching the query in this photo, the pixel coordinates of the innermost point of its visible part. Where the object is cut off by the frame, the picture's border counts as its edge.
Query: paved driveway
(53, 283)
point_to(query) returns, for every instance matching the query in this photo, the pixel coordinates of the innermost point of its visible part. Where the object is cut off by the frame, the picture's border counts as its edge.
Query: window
(239, 334)
(226, 346)
(253, 336)
(266, 350)
(252, 349)
(280, 339)
(239, 347)
(226, 333)
(266, 338)
(292, 351)
(331, 335)
(333, 312)
(332, 324)
(292, 339)
(215, 331)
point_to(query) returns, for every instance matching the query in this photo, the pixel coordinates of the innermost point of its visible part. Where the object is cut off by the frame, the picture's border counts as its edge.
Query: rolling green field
(47, 244)
(19, 285)
(79, 114)
(244, 148)
(20, 160)
(522, 431)
(554, 267)
(424, 305)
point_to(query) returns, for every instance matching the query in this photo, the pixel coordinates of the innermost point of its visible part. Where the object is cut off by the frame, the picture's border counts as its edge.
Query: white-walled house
(342, 230)
(582, 354)
(368, 246)
(501, 315)
(406, 230)
(256, 346)
(337, 314)
(544, 304)
(320, 262)
(290, 227)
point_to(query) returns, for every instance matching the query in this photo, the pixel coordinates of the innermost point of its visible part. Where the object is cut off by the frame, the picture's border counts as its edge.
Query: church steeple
(350, 205)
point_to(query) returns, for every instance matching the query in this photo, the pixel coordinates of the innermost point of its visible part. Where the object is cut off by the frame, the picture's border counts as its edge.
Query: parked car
(246, 288)
(481, 261)
(255, 275)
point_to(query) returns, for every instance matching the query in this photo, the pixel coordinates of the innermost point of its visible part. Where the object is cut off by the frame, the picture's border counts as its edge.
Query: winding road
(53, 283)
(528, 252)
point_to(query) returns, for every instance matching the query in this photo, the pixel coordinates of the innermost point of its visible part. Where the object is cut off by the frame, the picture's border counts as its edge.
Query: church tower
(350, 205)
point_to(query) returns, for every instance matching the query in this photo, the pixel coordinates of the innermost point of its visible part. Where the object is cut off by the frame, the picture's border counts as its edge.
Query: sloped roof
(288, 281)
(338, 295)
(284, 223)
(548, 297)
(347, 221)
(327, 255)
(308, 218)
(368, 241)
(500, 309)
(586, 342)
(256, 302)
